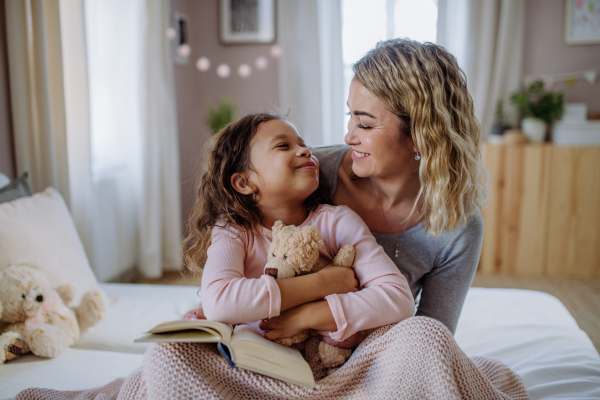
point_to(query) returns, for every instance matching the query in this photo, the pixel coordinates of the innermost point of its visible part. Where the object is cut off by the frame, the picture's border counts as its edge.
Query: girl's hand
(196, 313)
(338, 280)
(287, 324)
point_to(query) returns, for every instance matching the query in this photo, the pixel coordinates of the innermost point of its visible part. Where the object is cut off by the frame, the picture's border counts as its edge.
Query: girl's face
(286, 171)
(380, 149)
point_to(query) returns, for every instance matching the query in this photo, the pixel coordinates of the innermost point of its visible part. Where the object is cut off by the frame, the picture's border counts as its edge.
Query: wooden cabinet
(543, 214)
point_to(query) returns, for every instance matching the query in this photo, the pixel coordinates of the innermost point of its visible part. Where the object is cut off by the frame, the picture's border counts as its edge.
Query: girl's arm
(229, 297)
(385, 297)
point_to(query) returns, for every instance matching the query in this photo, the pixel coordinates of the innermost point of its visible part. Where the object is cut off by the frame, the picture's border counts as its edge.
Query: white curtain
(135, 162)
(311, 68)
(93, 104)
(487, 39)
(37, 97)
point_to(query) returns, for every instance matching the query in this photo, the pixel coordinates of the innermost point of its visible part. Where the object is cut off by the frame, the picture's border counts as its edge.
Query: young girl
(260, 171)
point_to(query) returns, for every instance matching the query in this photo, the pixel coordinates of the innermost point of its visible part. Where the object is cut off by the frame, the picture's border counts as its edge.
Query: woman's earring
(254, 196)
(417, 156)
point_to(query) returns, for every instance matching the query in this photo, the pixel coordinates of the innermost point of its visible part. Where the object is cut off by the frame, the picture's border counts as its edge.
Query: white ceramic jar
(534, 129)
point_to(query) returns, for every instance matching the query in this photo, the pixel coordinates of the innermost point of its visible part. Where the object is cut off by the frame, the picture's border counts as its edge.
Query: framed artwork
(582, 22)
(246, 21)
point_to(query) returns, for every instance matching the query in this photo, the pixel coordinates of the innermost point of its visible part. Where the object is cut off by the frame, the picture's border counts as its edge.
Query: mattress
(536, 336)
(531, 332)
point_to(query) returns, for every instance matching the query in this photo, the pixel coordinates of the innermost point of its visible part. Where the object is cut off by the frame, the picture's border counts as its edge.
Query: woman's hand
(286, 324)
(338, 280)
(196, 313)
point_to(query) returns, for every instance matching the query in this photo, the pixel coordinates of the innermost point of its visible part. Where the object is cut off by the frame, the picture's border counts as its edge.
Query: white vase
(534, 129)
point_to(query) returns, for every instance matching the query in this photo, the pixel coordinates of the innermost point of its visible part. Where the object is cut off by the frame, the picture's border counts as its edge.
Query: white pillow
(40, 229)
(3, 180)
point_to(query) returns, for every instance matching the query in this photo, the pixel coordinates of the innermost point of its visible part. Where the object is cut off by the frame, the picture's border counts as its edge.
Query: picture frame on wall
(246, 21)
(582, 22)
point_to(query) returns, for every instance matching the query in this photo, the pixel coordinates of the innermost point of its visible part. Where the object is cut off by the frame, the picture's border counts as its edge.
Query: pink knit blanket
(415, 359)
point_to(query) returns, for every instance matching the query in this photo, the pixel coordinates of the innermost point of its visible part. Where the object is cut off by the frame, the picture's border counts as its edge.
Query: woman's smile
(358, 156)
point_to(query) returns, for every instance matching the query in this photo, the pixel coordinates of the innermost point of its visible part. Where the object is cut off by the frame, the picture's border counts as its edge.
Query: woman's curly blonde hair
(423, 85)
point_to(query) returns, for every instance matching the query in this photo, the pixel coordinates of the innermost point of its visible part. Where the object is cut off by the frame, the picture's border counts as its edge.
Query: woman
(412, 169)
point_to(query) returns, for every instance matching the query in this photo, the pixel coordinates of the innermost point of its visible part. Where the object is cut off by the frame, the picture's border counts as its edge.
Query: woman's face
(379, 147)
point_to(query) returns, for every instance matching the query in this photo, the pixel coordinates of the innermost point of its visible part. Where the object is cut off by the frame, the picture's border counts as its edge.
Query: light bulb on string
(203, 64)
(223, 71)
(261, 63)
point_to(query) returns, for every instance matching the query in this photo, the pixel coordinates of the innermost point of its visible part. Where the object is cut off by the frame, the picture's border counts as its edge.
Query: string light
(223, 71)
(171, 34)
(261, 63)
(184, 50)
(203, 64)
(275, 51)
(244, 70)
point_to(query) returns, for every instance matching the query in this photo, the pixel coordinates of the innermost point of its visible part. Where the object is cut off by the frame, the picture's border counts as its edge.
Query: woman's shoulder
(468, 235)
(329, 152)
(330, 157)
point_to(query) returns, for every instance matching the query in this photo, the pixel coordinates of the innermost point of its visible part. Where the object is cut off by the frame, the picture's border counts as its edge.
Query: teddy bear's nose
(271, 271)
(40, 298)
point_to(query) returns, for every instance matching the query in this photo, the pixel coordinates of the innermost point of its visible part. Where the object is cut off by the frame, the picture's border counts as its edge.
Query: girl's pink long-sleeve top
(234, 289)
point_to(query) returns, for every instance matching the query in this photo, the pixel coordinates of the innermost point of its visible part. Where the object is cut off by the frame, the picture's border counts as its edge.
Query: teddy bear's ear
(277, 227)
(29, 263)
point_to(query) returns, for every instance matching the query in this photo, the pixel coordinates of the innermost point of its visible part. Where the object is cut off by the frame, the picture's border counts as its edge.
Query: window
(366, 23)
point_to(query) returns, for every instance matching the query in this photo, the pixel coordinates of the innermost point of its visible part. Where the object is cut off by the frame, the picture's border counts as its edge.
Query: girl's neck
(289, 215)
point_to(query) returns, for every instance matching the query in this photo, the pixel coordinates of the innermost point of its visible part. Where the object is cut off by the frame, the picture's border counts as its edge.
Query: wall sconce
(182, 46)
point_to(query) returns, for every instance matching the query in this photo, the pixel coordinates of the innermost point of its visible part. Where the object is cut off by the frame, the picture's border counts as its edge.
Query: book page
(189, 335)
(223, 331)
(253, 352)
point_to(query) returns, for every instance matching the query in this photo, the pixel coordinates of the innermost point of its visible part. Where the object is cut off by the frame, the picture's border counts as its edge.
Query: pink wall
(547, 53)
(196, 90)
(7, 164)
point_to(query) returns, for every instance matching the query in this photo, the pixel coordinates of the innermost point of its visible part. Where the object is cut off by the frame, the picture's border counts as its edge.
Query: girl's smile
(308, 165)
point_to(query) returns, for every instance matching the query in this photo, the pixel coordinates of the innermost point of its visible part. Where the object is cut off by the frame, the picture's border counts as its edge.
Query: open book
(242, 347)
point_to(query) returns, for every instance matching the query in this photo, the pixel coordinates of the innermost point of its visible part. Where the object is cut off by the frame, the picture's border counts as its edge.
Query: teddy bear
(294, 251)
(39, 319)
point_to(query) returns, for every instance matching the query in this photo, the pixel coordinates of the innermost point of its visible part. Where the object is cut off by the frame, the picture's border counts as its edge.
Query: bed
(531, 332)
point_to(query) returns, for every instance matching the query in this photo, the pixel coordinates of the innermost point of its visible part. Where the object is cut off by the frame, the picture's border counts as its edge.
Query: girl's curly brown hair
(217, 201)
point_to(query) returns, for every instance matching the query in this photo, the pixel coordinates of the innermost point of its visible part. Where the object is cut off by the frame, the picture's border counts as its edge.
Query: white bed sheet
(135, 309)
(535, 335)
(75, 369)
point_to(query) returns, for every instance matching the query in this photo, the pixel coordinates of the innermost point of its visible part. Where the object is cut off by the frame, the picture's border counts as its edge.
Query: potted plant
(218, 117)
(539, 109)
(500, 124)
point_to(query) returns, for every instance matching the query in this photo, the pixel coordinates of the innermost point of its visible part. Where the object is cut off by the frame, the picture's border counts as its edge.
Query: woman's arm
(445, 287)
